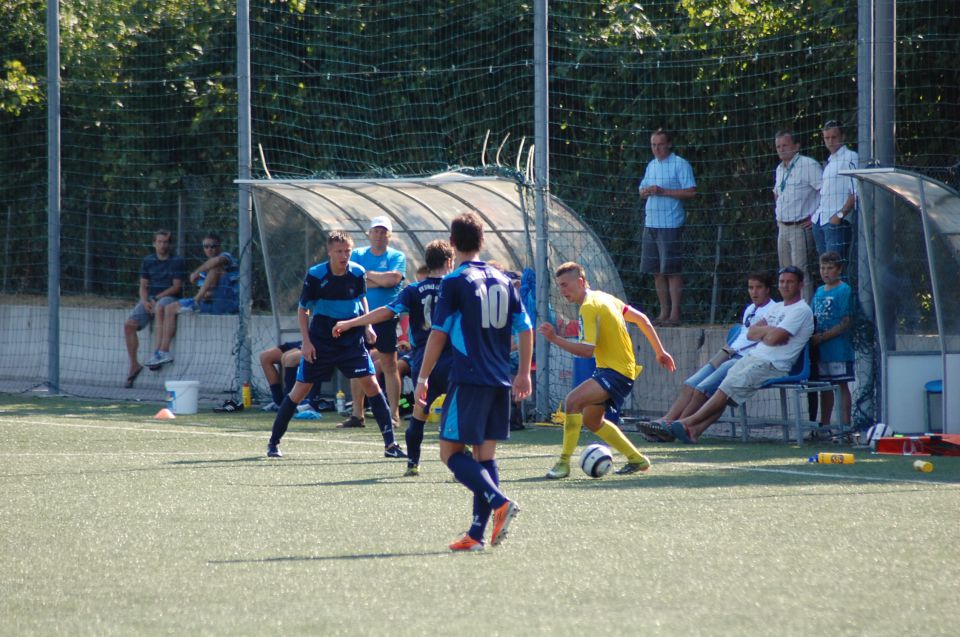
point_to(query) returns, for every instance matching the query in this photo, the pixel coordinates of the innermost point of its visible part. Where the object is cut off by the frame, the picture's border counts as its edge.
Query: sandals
(132, 377)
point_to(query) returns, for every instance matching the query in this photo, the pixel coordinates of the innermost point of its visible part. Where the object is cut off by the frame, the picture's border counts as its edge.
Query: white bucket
(182, 395)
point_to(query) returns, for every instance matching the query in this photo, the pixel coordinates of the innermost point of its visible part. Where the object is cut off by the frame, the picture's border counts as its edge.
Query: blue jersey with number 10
(480, 310)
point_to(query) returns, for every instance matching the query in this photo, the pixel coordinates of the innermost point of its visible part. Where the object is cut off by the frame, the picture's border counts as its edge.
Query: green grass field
(114, 523)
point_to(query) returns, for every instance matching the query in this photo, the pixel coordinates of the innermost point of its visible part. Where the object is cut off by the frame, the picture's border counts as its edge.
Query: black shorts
(386, 336)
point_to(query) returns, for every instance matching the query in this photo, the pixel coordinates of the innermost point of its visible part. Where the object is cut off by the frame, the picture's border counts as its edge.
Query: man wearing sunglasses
(217, 294)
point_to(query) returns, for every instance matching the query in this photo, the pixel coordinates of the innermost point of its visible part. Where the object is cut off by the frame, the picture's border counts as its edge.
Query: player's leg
(465, 413)
(586, 393)
(387, 347)
(288, 407)
(167, 309)
(381, 413)
(210, 283)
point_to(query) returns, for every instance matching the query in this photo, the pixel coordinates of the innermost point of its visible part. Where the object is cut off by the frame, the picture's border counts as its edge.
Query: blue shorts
(473, 414)
(618, 388)
(708, 378)
(437, 383)
(353, 362)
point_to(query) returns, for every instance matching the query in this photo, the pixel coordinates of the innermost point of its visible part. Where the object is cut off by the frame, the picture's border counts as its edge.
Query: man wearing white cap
(386, 268)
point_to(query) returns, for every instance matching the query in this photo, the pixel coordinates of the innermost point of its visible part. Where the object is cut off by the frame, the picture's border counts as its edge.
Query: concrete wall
(93, 358)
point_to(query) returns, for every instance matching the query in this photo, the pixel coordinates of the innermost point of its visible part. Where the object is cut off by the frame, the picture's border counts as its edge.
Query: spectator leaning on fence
(833, 228)
(161, 280)
(667, 182)
(796, 192)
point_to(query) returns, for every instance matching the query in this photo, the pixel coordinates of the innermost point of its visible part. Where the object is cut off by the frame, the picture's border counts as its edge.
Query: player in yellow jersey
(603, 335)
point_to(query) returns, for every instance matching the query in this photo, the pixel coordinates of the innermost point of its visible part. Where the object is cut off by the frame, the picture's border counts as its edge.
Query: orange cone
(164, 414)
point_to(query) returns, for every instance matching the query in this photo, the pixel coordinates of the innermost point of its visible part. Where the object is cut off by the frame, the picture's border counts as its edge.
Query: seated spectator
(217, 294)
(161, 281)
(833, 309)
(280, 366)
(700, 386)
(217, 278)
(780, 336)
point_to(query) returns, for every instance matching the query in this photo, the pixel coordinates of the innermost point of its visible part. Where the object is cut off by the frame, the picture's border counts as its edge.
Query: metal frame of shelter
(294, 217)
(909, 362)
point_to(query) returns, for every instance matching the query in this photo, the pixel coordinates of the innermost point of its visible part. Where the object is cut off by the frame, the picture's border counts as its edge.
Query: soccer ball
(596, 461)
(877, 431)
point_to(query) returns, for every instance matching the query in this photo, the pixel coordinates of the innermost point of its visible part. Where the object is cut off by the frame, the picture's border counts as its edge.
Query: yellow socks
(612, 435)
(571, 435)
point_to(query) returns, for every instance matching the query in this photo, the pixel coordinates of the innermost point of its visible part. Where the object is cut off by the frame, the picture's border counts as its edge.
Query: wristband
(423, 380)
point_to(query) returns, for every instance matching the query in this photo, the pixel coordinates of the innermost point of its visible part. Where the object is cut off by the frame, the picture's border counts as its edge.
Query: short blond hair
(568, 267)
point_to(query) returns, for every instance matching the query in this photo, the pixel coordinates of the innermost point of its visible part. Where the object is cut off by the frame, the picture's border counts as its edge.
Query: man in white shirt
(781, 336)
(796, 193)
(832, 228)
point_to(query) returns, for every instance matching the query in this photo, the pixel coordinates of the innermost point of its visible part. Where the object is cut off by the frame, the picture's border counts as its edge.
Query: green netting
(395, 88)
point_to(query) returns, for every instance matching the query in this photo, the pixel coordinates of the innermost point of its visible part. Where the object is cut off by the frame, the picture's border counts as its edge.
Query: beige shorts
(745, 378)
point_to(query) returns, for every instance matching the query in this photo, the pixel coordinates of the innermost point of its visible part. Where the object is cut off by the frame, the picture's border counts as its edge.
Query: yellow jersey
(602, 325)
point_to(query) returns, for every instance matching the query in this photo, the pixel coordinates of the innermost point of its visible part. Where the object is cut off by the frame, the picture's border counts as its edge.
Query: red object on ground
(933, 445)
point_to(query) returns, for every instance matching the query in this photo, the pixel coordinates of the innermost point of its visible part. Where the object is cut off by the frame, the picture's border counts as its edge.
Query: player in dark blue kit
(478, 311)
(418, 300)
(333, 291)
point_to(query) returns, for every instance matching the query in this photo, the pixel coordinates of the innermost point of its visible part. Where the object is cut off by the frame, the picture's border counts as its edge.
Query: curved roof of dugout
(294, 217)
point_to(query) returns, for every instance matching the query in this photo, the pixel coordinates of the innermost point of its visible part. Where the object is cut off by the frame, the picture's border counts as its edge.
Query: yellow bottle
(247, 397)
(923, 466)
(832, 458)
(341, 402)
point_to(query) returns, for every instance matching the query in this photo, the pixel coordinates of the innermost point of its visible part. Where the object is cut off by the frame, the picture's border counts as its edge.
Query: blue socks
(378, 405)
(477, 478)
(414, 437)
(282, 419)
(482, 508)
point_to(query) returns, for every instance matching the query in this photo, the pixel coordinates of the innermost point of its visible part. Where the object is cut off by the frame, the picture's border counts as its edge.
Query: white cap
(381, 222)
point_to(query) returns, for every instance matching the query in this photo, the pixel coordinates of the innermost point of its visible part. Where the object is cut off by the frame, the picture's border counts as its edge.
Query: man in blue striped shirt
(334, 291)
(667, 183)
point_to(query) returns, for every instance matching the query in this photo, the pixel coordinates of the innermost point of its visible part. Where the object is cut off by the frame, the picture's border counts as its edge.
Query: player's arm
(379, 315)
(641, 320)
(209, 264)
(581, 350)
(521, 382)
(307, 350)
(435, 344)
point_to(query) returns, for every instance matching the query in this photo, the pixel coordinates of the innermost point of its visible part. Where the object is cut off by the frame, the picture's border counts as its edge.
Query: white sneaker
(271, 406)
(305, 406)
(162, 358)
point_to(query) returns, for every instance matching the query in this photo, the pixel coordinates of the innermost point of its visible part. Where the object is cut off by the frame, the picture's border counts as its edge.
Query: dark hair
(166, 233)
(832, 257)
(664, 132)
(466, 232)
(763, 276)
(786, 132)
(833, 123)
(437, 253)
(568, 267)
(339, 236)
(794, 270)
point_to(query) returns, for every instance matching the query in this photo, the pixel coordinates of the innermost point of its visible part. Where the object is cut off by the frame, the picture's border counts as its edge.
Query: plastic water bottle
(247, 397)
(832, 458)
(341, 402)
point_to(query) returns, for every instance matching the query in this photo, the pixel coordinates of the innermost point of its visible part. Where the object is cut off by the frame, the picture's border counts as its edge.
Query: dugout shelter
(295, 216)
(913, 255)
